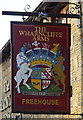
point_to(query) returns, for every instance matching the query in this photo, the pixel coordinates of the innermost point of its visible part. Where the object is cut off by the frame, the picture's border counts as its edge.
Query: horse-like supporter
(24, 68)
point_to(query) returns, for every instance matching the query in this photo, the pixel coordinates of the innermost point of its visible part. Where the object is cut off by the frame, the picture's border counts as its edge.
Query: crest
(43, 68)
(41, 78)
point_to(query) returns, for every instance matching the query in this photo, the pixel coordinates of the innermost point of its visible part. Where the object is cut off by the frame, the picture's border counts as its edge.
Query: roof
(5, 52)
(49, 7)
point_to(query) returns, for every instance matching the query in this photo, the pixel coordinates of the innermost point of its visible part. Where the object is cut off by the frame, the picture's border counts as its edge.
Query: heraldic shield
(41, 78)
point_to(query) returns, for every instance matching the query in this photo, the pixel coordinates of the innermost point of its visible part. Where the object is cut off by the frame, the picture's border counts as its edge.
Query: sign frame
(14, 94)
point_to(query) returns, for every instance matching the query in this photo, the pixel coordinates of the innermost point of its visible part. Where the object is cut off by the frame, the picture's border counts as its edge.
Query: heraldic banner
(40, 67)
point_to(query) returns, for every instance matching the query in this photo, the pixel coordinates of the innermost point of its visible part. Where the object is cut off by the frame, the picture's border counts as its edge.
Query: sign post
(40, 67)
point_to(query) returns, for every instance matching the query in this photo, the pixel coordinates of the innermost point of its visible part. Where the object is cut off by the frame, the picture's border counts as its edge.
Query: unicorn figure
(24, 71)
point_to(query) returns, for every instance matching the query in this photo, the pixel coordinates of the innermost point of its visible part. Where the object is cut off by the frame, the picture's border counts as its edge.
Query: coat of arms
(40, 70)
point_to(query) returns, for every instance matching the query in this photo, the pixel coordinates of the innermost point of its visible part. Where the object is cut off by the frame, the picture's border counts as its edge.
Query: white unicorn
(22, 72)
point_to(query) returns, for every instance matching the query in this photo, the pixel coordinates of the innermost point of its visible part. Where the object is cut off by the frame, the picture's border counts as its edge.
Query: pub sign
(40, 67)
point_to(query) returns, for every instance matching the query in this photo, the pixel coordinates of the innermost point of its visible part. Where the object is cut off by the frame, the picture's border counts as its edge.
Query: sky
(12, 5)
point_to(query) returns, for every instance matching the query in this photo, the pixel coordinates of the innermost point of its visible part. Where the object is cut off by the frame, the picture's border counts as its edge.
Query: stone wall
(5, 88)
(0, 88)
(76, 69)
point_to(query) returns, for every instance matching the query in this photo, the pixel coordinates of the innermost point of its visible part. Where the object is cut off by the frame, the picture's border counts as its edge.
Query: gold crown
(40, 62)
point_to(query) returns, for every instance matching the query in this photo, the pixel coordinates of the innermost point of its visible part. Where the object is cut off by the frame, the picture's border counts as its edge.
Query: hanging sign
(40, 67)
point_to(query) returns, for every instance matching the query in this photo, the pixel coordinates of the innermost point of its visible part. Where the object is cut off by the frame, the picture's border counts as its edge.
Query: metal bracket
(26, 8)
(76, 8)
(43, 15)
